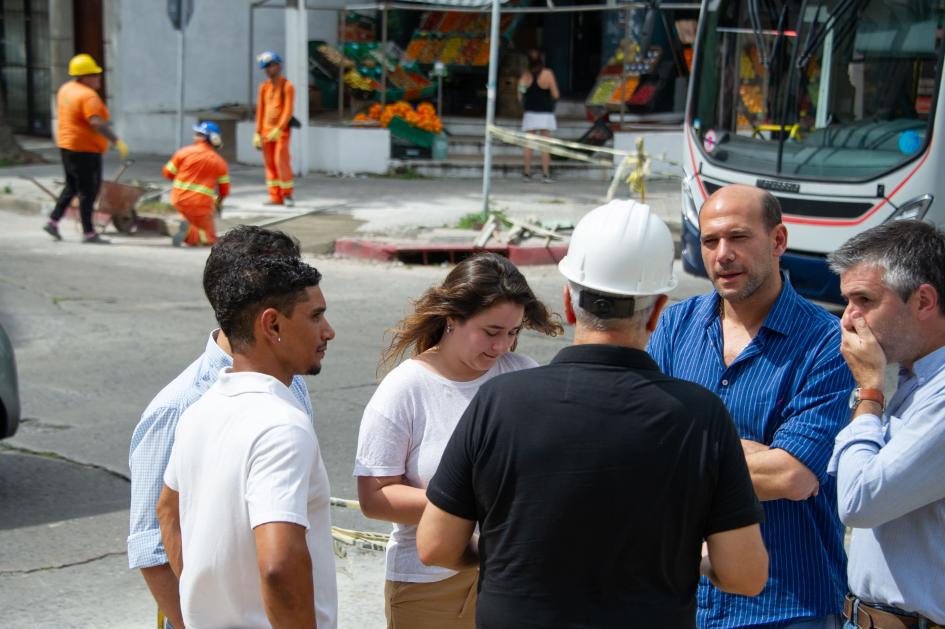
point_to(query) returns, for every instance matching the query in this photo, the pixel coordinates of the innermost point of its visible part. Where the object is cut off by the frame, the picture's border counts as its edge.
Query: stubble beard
(754, 281)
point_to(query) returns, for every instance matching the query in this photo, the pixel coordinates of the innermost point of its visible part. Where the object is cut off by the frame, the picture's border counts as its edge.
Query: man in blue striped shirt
(775, 361)
(153, 437)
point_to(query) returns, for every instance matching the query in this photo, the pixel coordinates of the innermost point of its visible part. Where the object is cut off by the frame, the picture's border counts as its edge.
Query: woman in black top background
(538, 92)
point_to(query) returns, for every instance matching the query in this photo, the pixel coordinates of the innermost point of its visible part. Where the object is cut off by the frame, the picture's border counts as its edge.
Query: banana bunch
(355, 81)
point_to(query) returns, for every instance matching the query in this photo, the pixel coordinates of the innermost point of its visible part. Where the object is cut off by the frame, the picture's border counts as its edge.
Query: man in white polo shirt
(244, 512)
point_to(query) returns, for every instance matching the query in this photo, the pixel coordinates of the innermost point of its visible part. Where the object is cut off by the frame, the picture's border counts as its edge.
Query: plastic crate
(402, 149)
(403, 130)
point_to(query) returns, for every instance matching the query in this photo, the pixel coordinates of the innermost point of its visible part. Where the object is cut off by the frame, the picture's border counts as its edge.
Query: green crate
(403, 130)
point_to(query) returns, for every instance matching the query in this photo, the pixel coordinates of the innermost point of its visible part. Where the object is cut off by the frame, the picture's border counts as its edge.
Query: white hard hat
(621, 248)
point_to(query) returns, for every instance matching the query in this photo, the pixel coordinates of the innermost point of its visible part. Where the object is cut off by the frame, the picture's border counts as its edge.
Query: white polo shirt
(245, 454)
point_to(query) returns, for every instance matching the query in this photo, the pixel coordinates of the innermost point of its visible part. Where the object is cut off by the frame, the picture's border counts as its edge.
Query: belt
(870, 617)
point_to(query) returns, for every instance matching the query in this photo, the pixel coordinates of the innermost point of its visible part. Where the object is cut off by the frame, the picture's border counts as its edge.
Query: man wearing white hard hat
(595, 480)
(775, 361)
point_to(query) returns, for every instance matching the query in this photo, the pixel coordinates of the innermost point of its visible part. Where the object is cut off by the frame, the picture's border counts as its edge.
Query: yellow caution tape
(634, 169)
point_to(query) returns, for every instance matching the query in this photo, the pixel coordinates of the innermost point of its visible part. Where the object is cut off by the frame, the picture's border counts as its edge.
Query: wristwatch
(860, 394)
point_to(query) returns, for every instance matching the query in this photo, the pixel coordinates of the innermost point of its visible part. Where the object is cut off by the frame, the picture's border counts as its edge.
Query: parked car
(9, 392)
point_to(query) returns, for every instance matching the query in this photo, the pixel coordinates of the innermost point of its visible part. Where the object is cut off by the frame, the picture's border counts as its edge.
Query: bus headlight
(689, 205)
(913, 209)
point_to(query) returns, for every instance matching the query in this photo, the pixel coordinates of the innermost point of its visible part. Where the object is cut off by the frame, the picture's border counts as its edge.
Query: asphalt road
(98, 331)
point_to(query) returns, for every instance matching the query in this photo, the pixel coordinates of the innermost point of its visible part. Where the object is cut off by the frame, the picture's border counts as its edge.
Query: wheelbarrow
(114, 204)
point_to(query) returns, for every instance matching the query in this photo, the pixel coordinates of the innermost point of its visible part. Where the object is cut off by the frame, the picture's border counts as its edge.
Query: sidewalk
(401, 208)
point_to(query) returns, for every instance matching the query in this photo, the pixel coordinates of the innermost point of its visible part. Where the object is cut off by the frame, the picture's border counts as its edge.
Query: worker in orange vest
(82, 135)
(273, 121)
(201, 181)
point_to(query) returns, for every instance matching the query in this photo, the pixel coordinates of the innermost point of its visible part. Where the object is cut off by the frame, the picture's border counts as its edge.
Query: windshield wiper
(817, 34)
(788, 87)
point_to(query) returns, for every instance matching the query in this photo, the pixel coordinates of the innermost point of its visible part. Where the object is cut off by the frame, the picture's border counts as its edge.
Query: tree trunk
(10, 150)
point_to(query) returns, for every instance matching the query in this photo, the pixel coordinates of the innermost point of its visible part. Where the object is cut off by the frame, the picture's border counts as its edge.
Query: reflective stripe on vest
(195, 187)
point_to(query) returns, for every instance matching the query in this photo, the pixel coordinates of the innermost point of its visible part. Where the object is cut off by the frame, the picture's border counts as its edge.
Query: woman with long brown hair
(459, 335)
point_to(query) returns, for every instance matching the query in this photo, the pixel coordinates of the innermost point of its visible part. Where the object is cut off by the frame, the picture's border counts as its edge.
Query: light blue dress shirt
(891, 491)
(153, 439)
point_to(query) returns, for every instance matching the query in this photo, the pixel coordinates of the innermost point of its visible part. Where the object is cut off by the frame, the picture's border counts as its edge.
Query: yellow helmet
(83, 64)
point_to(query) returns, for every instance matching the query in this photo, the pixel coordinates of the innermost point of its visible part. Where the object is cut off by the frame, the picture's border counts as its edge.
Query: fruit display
(334, 56)
(611, 91)
(356, 81)
(604, 90)
(423, 117)
(365, 64)
(455, 38)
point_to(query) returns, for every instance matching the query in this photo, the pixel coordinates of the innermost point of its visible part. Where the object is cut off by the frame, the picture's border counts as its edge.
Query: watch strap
(871, 395)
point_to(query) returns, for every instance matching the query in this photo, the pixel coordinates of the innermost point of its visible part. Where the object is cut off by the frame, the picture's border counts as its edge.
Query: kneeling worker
(201, 181)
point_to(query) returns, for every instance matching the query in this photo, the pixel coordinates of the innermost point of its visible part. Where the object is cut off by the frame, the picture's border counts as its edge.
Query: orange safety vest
(198, 172)
(274, 106)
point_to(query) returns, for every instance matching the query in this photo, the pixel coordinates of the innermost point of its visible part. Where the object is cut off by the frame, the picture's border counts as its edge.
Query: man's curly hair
(245, 241)
(251, 285)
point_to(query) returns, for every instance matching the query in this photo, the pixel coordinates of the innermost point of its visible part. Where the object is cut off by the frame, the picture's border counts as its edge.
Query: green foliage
(475, 220)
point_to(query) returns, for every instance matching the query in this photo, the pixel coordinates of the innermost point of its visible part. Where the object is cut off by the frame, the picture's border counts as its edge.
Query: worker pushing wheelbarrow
(83, 133)
(114, 204)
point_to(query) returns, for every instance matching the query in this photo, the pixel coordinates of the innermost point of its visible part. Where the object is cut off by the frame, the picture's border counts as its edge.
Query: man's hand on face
(863, 354)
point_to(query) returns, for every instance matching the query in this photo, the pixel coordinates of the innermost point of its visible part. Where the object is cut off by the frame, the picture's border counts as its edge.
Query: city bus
(831, 105)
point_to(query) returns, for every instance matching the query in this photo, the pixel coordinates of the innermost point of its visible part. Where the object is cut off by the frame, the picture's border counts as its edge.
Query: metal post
(490, 104)
(180, 85)
(252, 57)
(342, 17)
(384, 54)
(439, 96)
(623, 70)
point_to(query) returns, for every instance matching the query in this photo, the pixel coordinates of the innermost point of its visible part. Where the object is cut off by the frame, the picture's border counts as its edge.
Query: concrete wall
(334, 149)
(219, 66)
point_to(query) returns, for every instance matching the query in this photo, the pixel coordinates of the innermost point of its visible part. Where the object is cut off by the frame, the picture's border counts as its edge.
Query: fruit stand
(415, 133)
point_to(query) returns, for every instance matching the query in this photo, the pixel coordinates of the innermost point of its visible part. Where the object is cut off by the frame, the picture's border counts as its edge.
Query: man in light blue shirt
(890, 460)
(153, 437)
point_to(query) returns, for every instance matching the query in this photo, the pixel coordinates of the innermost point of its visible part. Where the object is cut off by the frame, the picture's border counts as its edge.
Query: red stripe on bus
(692, 156)
(873, 210)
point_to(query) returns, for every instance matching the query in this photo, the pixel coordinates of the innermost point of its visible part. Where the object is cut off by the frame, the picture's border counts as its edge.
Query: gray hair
(643, 307)
(910, 252)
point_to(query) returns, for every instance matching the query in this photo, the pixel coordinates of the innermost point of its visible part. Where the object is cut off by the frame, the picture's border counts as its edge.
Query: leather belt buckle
(869, 617)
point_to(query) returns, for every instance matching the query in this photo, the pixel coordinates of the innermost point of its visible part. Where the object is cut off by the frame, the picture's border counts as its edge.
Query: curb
(435, 253)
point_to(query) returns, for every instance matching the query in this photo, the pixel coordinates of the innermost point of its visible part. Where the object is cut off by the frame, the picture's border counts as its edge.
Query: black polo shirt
(594, 481)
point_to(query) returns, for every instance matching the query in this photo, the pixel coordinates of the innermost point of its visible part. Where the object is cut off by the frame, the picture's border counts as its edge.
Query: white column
(296, 70)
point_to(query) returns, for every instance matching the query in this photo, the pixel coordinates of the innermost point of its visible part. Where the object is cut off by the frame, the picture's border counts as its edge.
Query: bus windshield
(817, 89)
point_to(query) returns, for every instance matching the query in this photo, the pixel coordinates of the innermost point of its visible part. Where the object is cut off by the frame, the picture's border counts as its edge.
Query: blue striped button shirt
(787, 389)
(153, 439)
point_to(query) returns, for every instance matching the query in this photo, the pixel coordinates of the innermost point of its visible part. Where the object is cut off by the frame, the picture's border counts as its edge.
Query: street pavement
(99, 330)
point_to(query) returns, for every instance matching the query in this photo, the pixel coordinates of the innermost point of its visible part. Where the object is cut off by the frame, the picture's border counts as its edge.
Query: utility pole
(490, 104)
